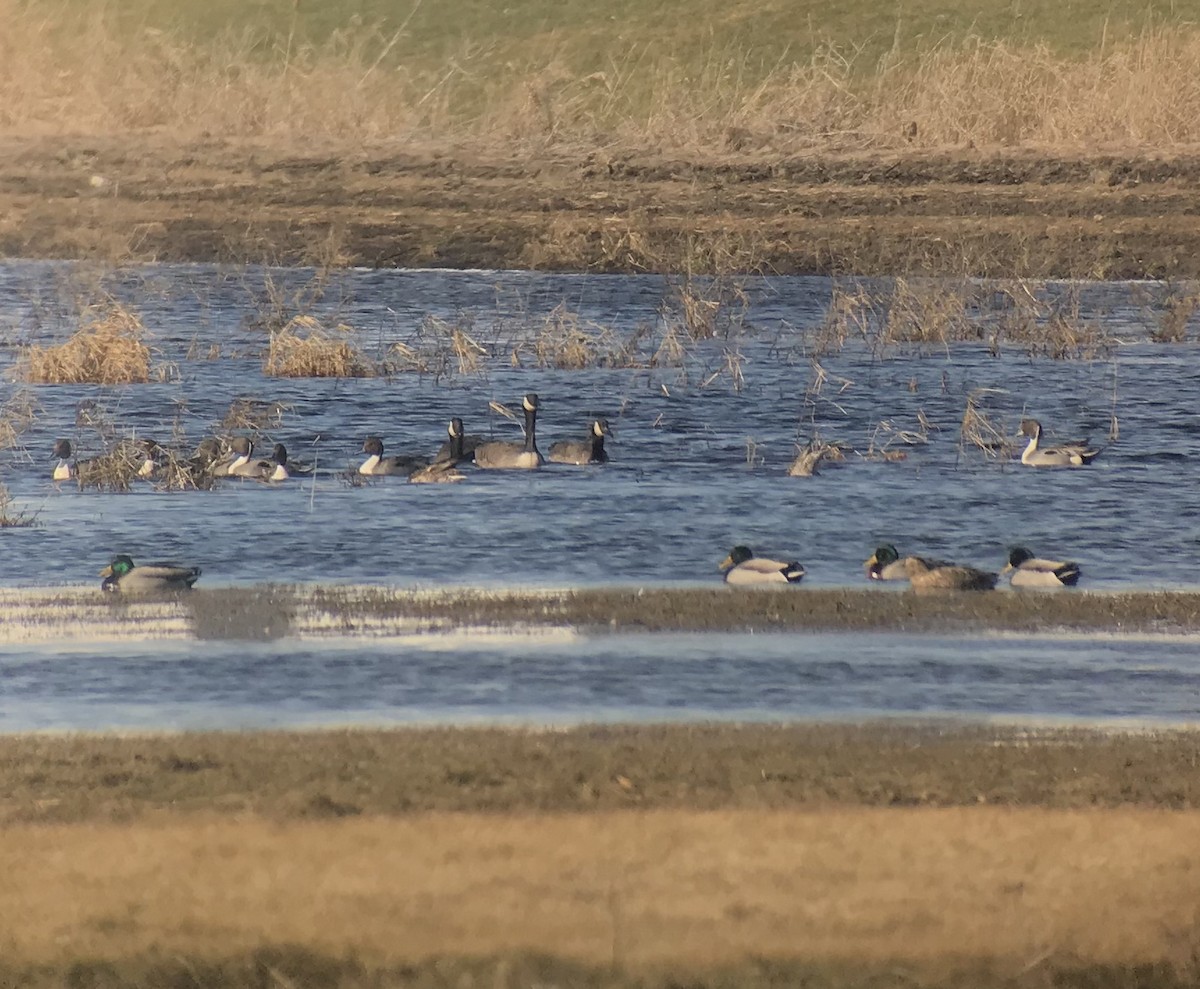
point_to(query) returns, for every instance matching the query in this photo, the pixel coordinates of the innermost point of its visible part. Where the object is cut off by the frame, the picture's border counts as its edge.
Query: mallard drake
(122, 575)
(1064, 455)
(887, 564)
(947, 577)
(458, 447)
(742, 567)
(377, 464)
(1027, 570)
(498, 454)
(583, 452)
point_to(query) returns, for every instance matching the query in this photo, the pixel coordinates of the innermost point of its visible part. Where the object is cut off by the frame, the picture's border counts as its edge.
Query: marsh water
(704, 431)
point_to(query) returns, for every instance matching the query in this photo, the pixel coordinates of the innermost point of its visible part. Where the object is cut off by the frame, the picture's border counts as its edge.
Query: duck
(741, 566)
(65, 469)
(377, 464)
(583, 452)
(1064, 455)
(282, 467)
(240, 450)
(947, 577)
(499, 454)
(459, 446)
(151, 455)
(887, 564)
(122, 575)
(1027, 570)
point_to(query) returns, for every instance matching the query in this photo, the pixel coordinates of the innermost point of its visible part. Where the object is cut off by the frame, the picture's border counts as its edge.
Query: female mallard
(1027, 570)
(946, 577)
(1064, 455)
(378, 465)
(499, 454)
(122, 575)
(583, 452)
(743, 567)
(887, 564)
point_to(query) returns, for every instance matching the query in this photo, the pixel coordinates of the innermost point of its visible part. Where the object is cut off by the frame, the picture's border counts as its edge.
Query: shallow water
(679, 493)
(564, 679)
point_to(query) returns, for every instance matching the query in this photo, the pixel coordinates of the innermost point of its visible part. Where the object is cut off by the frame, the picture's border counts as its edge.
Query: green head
(1016, 556)
(120, 566)
(886, 554)
(739, 554)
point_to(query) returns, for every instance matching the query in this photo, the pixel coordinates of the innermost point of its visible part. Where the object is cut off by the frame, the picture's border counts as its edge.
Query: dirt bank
(995, 213)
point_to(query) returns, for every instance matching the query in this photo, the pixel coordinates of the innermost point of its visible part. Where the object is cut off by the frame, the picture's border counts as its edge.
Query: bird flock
(739, 567)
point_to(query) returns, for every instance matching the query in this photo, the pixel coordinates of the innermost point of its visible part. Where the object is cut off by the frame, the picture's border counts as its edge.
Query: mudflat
(1007, 213)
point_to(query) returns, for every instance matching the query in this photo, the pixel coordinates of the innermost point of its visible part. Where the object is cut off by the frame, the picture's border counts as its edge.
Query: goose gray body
(458, 447)
(122, 575)
(583, 452)
(444, 469)
(1063, 455)
(742, 567)
(1026, 570)
(947, 577)
(377, 465)
(500, 455)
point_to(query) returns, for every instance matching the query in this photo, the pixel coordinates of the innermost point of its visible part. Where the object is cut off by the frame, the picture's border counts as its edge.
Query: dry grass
(12, 517)
(83, 70)
(633, 888)
(109, 349)
(983, 430)
(305, 348)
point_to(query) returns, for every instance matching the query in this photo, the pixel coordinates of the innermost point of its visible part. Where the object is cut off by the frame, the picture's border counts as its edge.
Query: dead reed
(108, 349)
(983, 430)
(13, 517)
(440, 348)
(305, 348)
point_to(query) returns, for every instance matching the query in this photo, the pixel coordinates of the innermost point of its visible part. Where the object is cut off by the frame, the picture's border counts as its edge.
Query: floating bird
(444, 469)
(65, 469)
(1027, 570)
(743, 567)
(122, 575)
(887, 564)
(281, 468)
(238, 464)
(459, 447)
(947, 577)
(583, 452)
(499, 454)
(377, 464)
(1064, 455)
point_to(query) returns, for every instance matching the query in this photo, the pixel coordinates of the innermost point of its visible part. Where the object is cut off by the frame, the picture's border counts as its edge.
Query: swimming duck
(150, 456)
(377, 464)
(459, 447)
(743, 567)
(65, 468)
(1027, 570)
(887, 564)
(122, 575)
(1064, 455)
(583, 452)
(947, 577)
(499, 454)
(238, 464)
(281, 467)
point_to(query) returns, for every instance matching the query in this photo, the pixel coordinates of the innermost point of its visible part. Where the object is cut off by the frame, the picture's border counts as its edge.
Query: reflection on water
(563, 679)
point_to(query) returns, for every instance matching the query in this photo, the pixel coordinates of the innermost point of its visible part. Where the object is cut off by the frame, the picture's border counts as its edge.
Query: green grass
(750, 35)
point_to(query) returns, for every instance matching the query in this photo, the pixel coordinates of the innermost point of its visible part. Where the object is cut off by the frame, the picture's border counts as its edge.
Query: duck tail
(793, 573)
(1068, 574)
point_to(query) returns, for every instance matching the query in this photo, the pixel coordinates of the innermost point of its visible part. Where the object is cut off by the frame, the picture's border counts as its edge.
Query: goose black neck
(456, 447)
(597, 446)
(530, 427)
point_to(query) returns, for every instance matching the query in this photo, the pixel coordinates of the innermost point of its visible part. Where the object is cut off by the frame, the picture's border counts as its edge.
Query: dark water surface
(699, 464)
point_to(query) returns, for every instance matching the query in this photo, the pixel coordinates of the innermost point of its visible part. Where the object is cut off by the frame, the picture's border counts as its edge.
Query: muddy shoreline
(997, 213)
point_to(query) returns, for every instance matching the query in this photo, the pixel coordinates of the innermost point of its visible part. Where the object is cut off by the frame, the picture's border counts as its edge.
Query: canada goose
(444, 470)
(498, 454)
(1027, 570)
(583, 452)
(459, 447)
(1064, 455)
(887, 564)
(743, 567)
(122, 575)
(946, 577)
(377, 464)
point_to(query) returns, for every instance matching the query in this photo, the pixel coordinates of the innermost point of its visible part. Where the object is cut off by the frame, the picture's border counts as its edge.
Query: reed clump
(108, 349)
(440, 347)
(13, 517)
(305, 348)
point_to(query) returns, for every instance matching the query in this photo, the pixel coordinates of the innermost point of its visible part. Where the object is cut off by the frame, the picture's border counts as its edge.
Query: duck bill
(106, 572)
(1006, 568)
(726, 564)
(871, 563)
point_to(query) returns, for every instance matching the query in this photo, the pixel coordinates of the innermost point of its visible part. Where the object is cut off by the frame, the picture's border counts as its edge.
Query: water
(679, 492)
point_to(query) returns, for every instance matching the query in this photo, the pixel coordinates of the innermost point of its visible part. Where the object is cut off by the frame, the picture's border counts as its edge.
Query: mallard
(583, 452)
(1064, 455)
(1027, 570)
(377, 464)
(458, 447)
(499, 454)
(947, 577)
(887, 564)
(122, 575)
(743, 567)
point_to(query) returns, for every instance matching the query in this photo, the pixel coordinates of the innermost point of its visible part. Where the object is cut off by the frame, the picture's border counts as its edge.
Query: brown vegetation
(305, 348)
(108, 349)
